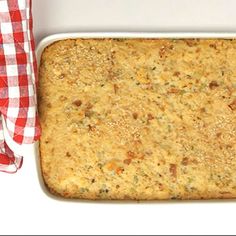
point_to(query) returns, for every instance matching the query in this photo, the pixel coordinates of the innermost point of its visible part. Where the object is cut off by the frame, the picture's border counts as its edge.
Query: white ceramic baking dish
(53, 38)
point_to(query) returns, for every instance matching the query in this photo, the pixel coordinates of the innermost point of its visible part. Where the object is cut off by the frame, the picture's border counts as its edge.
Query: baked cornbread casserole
(139, 119)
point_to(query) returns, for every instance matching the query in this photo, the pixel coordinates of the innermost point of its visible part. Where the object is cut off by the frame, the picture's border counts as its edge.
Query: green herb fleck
(136, 180)
(83, 190)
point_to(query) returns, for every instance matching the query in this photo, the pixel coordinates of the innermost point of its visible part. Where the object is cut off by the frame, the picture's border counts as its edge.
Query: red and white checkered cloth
(18, 70)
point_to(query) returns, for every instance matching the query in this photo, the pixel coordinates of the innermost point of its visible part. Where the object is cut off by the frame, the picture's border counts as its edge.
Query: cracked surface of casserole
(139, 119)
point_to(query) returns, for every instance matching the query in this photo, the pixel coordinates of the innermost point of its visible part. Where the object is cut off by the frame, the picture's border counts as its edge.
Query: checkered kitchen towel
(17, 80)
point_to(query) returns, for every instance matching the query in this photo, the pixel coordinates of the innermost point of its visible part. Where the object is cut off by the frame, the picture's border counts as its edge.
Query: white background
(25, 209)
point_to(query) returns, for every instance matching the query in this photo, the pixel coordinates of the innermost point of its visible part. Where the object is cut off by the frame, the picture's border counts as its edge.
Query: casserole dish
(52, 39)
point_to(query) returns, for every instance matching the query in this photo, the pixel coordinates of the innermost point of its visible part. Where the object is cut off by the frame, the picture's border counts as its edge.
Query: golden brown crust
(139, 119)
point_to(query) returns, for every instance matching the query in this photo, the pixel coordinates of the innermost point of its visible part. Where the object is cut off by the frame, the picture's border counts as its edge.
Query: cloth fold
(18, 80)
